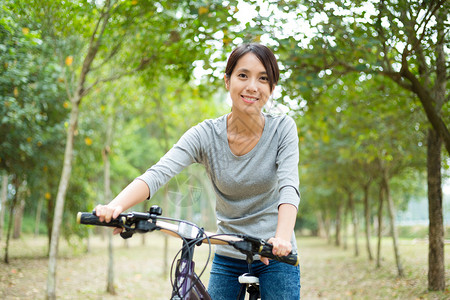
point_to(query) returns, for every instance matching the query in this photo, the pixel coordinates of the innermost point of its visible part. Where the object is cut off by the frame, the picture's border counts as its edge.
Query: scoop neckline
(254, 149)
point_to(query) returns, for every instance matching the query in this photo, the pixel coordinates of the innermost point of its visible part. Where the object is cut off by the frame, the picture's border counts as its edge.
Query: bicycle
(187, 284)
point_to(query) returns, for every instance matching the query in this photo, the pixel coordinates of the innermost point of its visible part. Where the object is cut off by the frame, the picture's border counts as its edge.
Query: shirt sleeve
(287, 163)
(184, 153)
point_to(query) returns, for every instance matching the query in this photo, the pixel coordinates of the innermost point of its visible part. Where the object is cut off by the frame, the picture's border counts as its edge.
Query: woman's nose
(252, 86)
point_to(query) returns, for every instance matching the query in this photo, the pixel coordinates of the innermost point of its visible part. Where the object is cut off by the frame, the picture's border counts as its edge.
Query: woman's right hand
(136, 192)
(106, 213)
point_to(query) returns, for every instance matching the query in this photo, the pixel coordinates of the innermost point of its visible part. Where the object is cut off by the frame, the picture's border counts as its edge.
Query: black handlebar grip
(88, 218)
(266, 250)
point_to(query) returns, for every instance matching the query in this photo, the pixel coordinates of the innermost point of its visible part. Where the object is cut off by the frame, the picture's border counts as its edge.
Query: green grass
(418, 231)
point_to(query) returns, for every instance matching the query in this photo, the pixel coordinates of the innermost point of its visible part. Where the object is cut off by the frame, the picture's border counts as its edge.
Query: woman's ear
(227, 81)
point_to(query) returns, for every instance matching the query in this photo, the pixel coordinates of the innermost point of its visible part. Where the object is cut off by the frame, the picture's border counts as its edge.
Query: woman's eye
(264, 78)
(242, 75)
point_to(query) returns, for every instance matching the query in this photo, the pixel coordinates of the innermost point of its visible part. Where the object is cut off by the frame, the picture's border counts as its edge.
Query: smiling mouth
(249, 99)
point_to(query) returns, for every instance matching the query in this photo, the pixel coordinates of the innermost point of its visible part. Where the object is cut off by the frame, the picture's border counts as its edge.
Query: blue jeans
(277, 281)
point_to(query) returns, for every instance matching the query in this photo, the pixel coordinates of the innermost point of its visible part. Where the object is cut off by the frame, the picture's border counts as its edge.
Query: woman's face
(248, 84)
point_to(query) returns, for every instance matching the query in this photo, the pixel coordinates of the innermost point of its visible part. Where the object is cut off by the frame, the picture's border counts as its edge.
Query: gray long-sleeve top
(248, 188)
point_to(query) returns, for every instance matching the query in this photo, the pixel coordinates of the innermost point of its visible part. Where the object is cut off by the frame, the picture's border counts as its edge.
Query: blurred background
(92, 93)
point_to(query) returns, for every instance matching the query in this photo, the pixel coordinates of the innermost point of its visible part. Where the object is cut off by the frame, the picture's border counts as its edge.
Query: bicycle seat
(248, 279)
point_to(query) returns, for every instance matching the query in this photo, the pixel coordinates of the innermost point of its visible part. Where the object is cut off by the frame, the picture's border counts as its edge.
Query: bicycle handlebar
(91, 219)
(144, 222)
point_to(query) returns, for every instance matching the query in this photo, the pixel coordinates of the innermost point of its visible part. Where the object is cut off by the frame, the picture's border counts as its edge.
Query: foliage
(341, 82)
(31, 115)
(400, 40)
(44, 49)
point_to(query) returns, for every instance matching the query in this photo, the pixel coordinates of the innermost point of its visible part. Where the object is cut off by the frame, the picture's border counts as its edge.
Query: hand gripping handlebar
(144, 222)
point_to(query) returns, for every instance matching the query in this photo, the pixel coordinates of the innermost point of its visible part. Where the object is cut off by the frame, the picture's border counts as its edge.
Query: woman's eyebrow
(244, 70)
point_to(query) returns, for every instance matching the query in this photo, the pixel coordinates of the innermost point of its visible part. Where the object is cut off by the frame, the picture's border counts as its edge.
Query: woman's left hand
(281, 247)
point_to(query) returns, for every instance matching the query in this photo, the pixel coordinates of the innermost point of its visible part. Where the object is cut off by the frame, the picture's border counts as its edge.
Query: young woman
(252, 161)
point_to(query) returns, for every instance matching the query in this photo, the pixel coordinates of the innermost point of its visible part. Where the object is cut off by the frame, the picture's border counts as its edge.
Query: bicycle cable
(188, 244)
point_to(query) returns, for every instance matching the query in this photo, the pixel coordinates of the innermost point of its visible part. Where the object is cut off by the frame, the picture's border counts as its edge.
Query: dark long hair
(265, 56)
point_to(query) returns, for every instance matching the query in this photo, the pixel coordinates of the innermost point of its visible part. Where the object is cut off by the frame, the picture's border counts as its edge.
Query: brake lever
(126, 234)
(246, 248)
(249, 246)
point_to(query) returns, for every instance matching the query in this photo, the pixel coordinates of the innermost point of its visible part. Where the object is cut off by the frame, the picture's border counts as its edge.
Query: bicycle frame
(187, 285)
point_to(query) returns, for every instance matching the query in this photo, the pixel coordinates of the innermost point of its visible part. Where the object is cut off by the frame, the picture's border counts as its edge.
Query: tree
(29, 90)
(107, 192)
(401, 40)
(351, 127)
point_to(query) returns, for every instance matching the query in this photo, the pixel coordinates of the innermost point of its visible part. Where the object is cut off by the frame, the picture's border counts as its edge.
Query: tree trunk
(60, 197)
(338, 224)
(380, 224)
(18, 216)
(394, 234)
(436, 264)
(37, 222)
(327, 227)
(320, 224)
(49, 219)
(8, 234)
(18, 212)
(345, 226)
(75, 99)
(351, 204)
(4, 196)
(10, 223)
(367, 220)
(107, 192)
(110, 281)
(436, 269)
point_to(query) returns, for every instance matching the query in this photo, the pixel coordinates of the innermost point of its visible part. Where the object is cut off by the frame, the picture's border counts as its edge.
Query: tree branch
(397, 78)
(142, 65)
(427, 102)
(94, 44)
(426, 19)
(113, 52)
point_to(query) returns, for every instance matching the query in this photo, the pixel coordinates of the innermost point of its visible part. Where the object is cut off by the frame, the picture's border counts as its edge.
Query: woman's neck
(245, 124)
